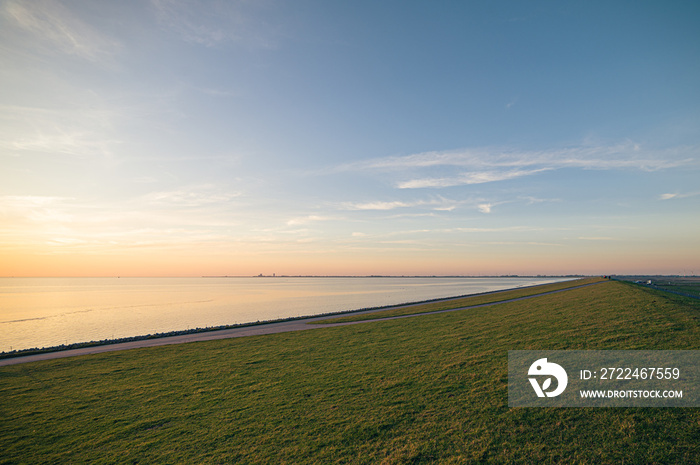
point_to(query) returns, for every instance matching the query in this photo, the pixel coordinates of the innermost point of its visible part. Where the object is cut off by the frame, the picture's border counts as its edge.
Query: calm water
(44, 312)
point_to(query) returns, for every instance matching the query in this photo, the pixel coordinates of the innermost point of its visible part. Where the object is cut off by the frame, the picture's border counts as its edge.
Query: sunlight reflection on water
(43, 312)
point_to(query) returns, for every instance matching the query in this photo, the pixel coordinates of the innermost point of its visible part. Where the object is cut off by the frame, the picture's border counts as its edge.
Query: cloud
(425, 207)
(195, 196)
(52, 26)
(502, 229)
(80, 131)
(36, 208)
(59, 224)
(478, 177)
(218, 92)
(214, 22)
(677, 195)
(484, 207)
(532, 200)
(619, 156)
(484, 165)
(144, 180)
(378, 205)
(437, 203)
(451, 231)
(544, 244)
(308, 219)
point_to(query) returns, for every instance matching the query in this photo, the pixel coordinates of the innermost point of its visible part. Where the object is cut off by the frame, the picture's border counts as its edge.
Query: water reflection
(43, 312)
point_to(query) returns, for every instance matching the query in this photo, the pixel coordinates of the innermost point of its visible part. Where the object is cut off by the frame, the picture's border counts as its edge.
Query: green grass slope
(430, 389)
(476, 299)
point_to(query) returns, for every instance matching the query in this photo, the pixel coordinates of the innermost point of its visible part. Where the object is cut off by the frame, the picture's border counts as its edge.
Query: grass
(477, 299)
(689, 285)
(430, 389)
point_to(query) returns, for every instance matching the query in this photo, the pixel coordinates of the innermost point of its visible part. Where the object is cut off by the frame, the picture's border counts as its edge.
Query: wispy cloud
(486, 165)
(51, 26)
(501, 229)
(520, 244)
(308, 219)
(194, 196)
(76, 131)
(427, 207)
(677, 195)
(533, 200)
(436, 203)
(434, 232)
(215, 22)
(59, 224)
(379, 205)
(219, 92)
(35, 208)
(626, 155)
(478, 177)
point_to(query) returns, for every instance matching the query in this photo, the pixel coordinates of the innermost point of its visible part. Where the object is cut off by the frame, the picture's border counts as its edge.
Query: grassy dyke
(476, 299)
(427, 306)
(430, 389)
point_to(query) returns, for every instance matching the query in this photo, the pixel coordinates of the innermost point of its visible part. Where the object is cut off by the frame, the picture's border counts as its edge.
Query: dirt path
(258, 330)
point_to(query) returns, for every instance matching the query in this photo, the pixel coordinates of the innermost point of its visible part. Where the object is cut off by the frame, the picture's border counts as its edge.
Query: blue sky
(172, 137)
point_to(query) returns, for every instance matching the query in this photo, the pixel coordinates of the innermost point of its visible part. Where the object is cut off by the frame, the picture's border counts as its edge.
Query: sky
(191, 138)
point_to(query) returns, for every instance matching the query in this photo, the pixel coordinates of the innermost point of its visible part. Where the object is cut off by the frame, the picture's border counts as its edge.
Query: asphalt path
(258, 330)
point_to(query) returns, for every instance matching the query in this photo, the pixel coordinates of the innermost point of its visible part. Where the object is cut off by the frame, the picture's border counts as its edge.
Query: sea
(47, 312)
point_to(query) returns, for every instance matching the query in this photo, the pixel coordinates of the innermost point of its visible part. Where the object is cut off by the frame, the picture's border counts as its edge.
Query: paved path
(268, 328)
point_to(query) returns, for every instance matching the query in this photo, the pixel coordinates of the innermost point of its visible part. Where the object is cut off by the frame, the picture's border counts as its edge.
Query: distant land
(403, 276)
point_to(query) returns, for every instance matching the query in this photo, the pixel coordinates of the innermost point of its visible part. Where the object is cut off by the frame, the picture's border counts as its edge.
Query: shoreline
(546, 276)
(183, 332)
(257, 328)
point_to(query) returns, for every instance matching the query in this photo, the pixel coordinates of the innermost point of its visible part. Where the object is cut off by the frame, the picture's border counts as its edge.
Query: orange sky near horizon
(589, 259)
